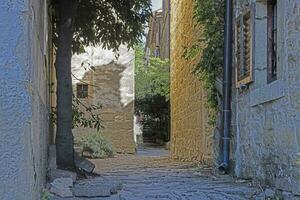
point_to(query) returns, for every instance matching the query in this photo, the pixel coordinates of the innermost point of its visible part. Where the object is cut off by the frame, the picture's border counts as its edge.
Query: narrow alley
(150, 100)
(150, 174)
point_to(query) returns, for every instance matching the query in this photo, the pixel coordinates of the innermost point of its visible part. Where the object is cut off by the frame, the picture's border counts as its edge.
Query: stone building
(158, 37)
(266, 92)
(191, 136)
(100, 78)
(24, 98)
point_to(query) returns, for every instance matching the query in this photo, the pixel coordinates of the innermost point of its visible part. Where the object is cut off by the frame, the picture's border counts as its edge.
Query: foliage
(152, 90)
(46, 195)
(79, 23)
(109, 23)
(96, 145)
(210, 15)
(152, 79)
(83, 115)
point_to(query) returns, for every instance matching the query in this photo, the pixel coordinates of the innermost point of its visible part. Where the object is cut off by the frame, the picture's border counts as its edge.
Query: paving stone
(59, 173)
(260, 196)
(84, 164)
(52, 157)
(167, 182)
(62, 182)
(96, 188)
(62, 192)
(114, 197)
(269, 193)
(62, 187)
(289, 196)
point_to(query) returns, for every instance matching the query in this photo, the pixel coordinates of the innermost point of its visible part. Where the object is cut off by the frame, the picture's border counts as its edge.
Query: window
(272, 40)
(82, 90)
(243, 47)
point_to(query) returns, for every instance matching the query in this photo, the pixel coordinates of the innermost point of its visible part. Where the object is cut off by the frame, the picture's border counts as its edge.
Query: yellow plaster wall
(191, 136)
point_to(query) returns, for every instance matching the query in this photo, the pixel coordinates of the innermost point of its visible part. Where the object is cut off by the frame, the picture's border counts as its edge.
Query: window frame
(239, 37)
(272, 40)
(81, 93)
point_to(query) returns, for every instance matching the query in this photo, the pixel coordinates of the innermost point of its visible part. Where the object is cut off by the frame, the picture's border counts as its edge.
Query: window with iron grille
(82, 90)
(243, 48)
(272, 40)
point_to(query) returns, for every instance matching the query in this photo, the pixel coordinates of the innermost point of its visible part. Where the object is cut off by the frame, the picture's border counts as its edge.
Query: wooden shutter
(247, 34)
(238, 46)
(244, 48)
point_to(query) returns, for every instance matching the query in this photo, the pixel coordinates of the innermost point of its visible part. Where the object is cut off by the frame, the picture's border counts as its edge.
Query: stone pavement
(149, 176)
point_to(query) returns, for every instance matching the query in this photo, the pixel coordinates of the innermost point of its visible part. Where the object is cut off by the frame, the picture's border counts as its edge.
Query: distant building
(158, 39)
(99, 78)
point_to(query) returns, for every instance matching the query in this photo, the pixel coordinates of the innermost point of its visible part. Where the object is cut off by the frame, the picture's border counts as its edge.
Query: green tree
(152, 91)
(78, 23)
(151, 79)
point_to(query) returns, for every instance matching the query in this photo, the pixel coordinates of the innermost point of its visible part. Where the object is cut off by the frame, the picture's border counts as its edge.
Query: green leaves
(95, 145)
(152, 90)
(83, 115)
(210, 15)
(152, 79)
(109, 23)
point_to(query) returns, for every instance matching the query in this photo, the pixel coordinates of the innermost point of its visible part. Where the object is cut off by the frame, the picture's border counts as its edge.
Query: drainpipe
(227, 79)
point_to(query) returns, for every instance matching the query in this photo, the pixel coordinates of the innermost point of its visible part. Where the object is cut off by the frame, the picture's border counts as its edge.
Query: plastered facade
(191, 136)
(266, 124)
(24, 98)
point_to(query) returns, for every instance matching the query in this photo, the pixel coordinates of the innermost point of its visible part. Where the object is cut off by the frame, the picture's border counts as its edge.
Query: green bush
(45, 195)
(95, 145)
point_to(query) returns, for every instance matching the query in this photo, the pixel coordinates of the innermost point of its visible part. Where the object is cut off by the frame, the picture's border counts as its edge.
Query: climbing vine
(210, 15)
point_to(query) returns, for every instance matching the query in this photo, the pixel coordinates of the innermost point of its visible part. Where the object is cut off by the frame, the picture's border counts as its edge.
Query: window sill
(270, 92)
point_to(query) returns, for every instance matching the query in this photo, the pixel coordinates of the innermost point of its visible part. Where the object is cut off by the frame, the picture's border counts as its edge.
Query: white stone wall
(23, 99)
(266, 125)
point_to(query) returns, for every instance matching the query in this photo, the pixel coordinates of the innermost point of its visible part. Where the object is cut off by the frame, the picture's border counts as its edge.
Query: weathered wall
(165, 39)
(158, 37)
(23, 99)
(268, 115)
(111, 85)
(191, 137)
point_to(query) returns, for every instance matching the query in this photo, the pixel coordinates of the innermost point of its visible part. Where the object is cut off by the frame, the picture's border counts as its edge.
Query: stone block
(260, 196)
(270, 193)
(92, 189)
(84, 164)
(289, 196)
(62, 187)
(296, 180)
(59, 173)
(52, 157)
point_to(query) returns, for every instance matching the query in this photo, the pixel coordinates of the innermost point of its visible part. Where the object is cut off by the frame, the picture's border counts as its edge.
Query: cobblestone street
(150, 175)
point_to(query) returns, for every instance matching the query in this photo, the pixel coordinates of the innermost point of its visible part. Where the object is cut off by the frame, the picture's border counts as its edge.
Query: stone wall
(158, 36)
(112, 86)
(191, 136)
(267, 117)
(23, 98)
